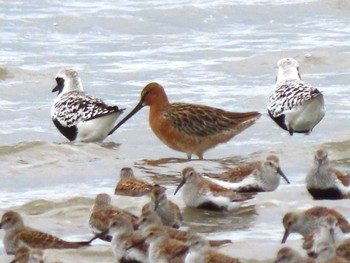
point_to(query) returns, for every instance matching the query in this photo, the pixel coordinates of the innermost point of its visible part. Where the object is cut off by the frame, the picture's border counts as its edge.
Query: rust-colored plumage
(129, 185)
(189, 128)
(17, 234)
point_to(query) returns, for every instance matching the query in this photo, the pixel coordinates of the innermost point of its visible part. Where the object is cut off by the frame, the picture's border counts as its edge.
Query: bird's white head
(288, 68)
(67, 80)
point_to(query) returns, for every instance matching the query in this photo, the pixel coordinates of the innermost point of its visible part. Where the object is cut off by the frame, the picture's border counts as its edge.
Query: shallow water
(219, 53)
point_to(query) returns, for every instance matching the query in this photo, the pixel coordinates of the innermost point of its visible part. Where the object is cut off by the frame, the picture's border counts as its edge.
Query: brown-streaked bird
(127, 244)
(303, 222)
(17, 234)
(323, 181)
(129, 185)
(189, 128)
(162, 248)
(168, 211)
(149, 218)
(202, 193)
(289, 255)
(253, 177)
(200, 251)
(101, 212)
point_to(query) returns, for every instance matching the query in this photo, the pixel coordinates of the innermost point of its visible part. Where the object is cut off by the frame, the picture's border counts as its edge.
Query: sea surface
(217, 53)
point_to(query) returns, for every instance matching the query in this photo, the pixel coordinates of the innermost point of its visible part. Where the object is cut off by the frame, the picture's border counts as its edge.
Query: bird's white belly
(306, 116)
(96, 130)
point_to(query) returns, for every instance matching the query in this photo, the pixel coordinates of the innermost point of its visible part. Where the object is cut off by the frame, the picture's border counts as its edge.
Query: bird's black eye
(59, 81)
(114, 224)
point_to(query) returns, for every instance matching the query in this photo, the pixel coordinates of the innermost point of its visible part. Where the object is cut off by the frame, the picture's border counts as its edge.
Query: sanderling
(101, 212)
(17, 235)
(168, 211)
(129, 185)
(200, 251)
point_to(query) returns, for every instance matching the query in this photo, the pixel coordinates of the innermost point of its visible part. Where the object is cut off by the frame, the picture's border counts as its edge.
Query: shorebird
(77, 115)
(200, 251)
(189, 128)
(162, 248)
(343, 249)
(294, 105)
(323, 181)
(327, 254)
(149, 218)
(289, 255)
(328, 232)
(127, 244)
(303, 222)
(101, 212)
(168, 211)
(17, 235)
(202, 193)
(129, 185)
(253, 177)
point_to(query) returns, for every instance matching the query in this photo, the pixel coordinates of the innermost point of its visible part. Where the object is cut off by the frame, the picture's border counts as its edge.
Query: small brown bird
(189, 128)
(200, 251)
(162, 248)
(127, 244)
(202, 193)
(149, 218)
(253, 177)
(101, 212)
(303, 222)
(17, 235)
(129, 185)
(289, 255)
(168, 211)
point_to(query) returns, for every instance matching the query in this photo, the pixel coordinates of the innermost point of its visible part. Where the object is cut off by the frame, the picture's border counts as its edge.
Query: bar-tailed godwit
(189, 128)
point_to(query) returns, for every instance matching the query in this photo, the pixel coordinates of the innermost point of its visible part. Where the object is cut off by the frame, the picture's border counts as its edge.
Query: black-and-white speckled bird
(77, 115)
(294, 105)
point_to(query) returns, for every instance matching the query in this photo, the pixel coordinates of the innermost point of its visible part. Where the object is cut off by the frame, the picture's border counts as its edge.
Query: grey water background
(217, 53)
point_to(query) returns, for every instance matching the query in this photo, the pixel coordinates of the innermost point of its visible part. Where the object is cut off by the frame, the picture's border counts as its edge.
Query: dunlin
(127, 244)
(202, 193)
(168, 211)
(328, 232)
(17, 235)
(303, 222)
(200, 251)
(189, 128)
(254, 177)
(101, 212)
(323, 181)
(294, 105)
(129, 185)
(77, 115)
(289, 255)
(149, 218)
(162, 248)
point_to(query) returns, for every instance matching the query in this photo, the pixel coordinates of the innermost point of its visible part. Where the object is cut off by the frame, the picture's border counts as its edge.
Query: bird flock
(157, 234)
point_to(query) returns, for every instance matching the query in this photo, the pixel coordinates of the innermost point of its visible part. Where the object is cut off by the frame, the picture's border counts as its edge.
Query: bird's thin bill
(135, 110)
